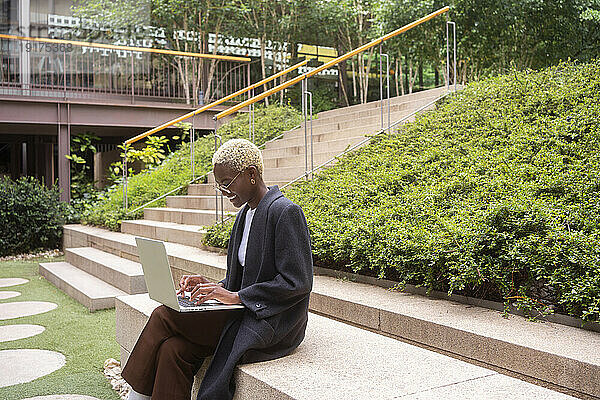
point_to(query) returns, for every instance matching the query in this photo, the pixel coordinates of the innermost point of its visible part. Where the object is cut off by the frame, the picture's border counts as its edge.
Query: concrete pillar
(24, 28)
(49, 164)
(64, 143)
(24, 159)
(102, 161)
(15, 160)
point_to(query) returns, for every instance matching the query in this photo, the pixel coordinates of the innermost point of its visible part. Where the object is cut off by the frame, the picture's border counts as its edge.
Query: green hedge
(32, 216)
(496, 195)
(175, 170)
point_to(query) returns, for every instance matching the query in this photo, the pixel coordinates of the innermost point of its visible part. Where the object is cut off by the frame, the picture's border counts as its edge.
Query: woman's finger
(199, 289)
(208, 296)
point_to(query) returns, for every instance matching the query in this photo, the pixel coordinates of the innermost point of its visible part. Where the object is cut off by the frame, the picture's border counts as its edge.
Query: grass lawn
(85, 339)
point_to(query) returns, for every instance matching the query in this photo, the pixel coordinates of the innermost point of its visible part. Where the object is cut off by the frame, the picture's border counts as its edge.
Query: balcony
(114, 74)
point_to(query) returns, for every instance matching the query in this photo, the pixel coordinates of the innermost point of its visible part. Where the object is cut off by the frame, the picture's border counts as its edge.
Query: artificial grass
(85, 339)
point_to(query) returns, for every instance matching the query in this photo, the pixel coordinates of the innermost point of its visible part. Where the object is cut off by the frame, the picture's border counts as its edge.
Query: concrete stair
(339, 360)
(207, 189)
(190, 235)
(181, 215)
(198, 203)
(92, 292)
(119, 272)
(362, 341)
(538, 352)
(375, 104)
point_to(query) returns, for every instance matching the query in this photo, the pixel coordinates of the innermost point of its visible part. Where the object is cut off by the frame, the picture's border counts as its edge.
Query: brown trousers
(170, 350)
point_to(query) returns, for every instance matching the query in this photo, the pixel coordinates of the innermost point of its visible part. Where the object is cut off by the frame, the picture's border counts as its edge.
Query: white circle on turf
(21, 331)
(5, 282)
(7, 294)
(62, 397)
(18, 309)
(25, 365)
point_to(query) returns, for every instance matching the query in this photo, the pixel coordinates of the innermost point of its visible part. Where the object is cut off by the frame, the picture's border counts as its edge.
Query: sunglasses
(225, 188)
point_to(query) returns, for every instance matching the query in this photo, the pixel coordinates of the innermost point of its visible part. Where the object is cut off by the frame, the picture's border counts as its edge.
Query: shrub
(175, 171)
(495, 195)
(32, 216)
(217, 235)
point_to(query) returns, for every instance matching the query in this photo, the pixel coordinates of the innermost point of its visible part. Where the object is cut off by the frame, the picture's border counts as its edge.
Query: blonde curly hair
(239, 154)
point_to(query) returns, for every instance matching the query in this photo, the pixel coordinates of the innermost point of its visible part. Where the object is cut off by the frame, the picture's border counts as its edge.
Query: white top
(244, 243)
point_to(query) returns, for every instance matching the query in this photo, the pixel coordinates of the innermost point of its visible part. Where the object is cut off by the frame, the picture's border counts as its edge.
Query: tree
(182, 26)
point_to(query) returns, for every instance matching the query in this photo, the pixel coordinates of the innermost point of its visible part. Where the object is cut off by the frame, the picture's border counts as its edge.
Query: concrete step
(548, 352)
(199, 203)
(189, 235)
(372, 123)
(339, 361)
(183, 259)
(207, 189)
(119, 272)
(297, 161)
(343, 114)
(375, 104)
(288, 173)
(337, 146)
(536, 350)
(92, 292)
(319, 138)
(182, 216)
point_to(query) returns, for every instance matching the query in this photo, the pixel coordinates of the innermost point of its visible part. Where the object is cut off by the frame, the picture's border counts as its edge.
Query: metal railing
(307, 106)
(331, 63)
(68, 69)
(357, 145)
(249, 88)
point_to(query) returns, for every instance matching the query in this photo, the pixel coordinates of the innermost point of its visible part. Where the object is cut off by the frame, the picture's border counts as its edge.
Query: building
(52, 91)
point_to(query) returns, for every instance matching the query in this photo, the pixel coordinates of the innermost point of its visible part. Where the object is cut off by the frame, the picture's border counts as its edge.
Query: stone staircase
(362, 341)
(367, 341)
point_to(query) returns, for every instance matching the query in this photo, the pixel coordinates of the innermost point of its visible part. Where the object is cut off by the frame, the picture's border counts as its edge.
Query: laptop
(159, 281)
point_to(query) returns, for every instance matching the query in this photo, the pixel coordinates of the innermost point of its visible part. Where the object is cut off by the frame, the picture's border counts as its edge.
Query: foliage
(493, 36)
(217, 235)
(174, 171)
(493, 195)
(151, 155)
(32, 216)
(324, 97)
(83, 191)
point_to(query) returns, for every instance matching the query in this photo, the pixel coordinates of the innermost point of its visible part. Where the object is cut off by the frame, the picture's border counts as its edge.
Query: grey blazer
(274, 286)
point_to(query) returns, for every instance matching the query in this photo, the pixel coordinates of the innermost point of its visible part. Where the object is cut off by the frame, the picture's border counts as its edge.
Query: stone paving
(21, 331)
(19, 309)
(8, 294)
(5, 282)
(62, 397)
(27, 365)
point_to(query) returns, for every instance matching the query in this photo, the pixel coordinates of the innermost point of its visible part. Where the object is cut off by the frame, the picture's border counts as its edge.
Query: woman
(269, 271)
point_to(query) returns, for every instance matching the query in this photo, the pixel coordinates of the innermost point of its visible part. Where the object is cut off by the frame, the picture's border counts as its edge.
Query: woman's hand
(208, 291)
(189, 282)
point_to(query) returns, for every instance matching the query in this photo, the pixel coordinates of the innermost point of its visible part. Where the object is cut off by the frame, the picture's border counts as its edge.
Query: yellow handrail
(214, 103)
(128, 48)
(315, 71)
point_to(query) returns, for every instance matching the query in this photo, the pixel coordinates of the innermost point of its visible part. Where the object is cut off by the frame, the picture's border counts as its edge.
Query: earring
(252, 181)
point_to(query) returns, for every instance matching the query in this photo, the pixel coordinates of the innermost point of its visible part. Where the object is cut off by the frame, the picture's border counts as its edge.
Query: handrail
(214, 103)
(195, 179)
(331, 63)
(162, 196)
(191, 114)
(128, 48)
(356, 145)
(368, 139)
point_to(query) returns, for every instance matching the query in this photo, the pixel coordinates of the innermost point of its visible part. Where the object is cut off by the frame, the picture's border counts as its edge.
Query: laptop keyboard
(185, 302)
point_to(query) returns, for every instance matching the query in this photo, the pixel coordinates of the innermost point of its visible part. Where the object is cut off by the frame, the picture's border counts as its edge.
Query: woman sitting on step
(269, 271)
